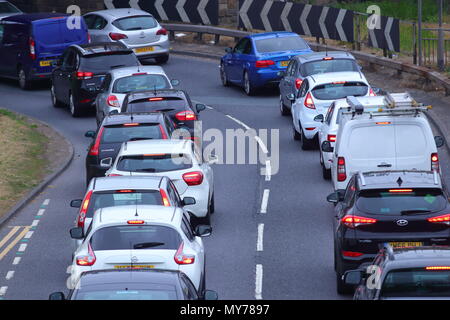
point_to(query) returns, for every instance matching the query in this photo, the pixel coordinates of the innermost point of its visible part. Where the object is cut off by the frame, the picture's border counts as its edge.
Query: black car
(176, 103)
(421, 273)
(79, 74)
(118, 128)
(134, 284)
(400, 208)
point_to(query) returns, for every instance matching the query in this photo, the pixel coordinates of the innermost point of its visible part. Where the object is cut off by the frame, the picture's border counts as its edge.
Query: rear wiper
(140, 138)
(145, 245)
(135, 28)
(406, 212)
(146, 170)
(117, 66)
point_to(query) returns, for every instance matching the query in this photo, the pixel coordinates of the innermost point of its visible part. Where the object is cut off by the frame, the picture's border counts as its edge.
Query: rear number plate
(405, 244)
(136, 266)
(144, 49)
(284, 63)
(45, 63)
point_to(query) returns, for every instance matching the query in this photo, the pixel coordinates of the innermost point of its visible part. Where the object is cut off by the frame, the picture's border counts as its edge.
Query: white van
(397, 136)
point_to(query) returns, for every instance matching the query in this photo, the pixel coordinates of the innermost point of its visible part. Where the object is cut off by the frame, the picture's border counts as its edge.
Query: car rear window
(339, 90)
(326, 66)
(135, 23)
(279, 44)
(418, 282)
(401, 201)
(107, 61)
(120, 198)
(6, 7)
(132, 131)
(135, 237)
(154, 163)
(128, 293)
(140, 82)
(156, 104)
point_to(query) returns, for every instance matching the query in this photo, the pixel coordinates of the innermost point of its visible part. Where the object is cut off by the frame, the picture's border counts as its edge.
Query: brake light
(331, 137)
(89, 37)
(438, 268)
(31, 43)
(156, 99)
(161, 32)
(140, 74)
(309, 102)
(435, 162)
(341, 173)
(186, 116)
(83, 210)
(264, 63)
(355, 221)
(82, 75)
(95, 148)
(133, 124)
(88, 260)
(117, 36)
(193, 178)
(125, 191)
(339, 82)
(298, 83)
(114, 175)
(400, 190)
(383, 123)
(112, 101)
(135, 221)
(351, 254)
(182, 258)
(165, 198)
(371, 93)
(163, 132)
(328, 58)
(445, 219)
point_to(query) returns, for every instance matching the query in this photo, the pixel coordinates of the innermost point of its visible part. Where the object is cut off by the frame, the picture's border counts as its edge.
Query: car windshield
(128, 293)
(6, 7)
(401, 201)
(140, 82)
(133, 131)
(154, 163)
(105, 199)
(418, 282)
(339, 90)
(132, 236)
(279, 44)
(105, 62)
(156, 104)
(135, 23)
(326, 66)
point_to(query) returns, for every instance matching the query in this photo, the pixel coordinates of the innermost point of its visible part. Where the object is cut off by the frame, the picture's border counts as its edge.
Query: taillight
(32, 48)
(193, 178)
(88, 260)
(163, 132)
(371, 93)
(298, 83)
(117, 36)
(181, 258)
(351, 254)
(186, 116)
(438, 268)
(445, 219)
(83, 210)
(331, 138)
(161, 32)
(82, 75)
(95, 147)
(135, 222)
(341, 173)
(434, 162)
(264, 63)
(89, 37)
(112, 101)
(355, 221)
(164, 197)
(309, 102)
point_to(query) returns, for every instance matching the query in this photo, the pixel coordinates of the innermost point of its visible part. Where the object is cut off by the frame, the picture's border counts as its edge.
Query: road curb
(36, 190)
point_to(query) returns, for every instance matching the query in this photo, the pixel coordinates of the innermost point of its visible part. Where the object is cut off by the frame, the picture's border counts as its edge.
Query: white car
(180, 160)
(314, 97)
(144, 237)
(330, 126)
(121, 81)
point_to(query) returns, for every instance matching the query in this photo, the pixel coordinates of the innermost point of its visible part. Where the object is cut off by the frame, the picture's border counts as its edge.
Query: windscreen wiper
(414, 211)
(146, 170)
(145, 245)
(140, 138)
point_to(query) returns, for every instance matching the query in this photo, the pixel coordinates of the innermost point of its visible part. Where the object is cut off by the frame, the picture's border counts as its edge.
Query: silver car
(137, 29)
(121, 81)
(8, 9)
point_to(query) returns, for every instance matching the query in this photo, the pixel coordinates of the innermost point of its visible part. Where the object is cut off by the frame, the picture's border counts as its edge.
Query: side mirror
(113, 112)
(56, 296)
(334, 197)
(291, 97)
(106, 162)
(319, 118)
(210, 295)
(440, 141)
(174, 82)
(352, 277)
(90, 134)
(203, 230)
(188, 201)
(212, 159)
(228, 50)
(200, 107)
(77, 233)
(326, 147)
(76, 203)
(281, 73)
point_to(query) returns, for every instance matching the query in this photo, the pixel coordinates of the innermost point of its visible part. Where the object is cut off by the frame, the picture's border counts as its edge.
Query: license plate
(405, 244)
(144, 49)
(284, 63)
(45, 63)
(136, 266)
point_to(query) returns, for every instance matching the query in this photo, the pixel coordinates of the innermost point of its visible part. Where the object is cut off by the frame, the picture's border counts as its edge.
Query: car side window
(68, 61)
(188, 288)
(89, 20)
(176, 194)
(329, 114)
(293, 69)
(99, 23)
(248, 48)
(2, 31)
(240, 47)
(303, 89)
(106, 83)
(187, 228)
(350, 192)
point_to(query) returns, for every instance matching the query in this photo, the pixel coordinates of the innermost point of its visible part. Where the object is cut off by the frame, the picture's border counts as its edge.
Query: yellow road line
(9, 236)
(14, 242)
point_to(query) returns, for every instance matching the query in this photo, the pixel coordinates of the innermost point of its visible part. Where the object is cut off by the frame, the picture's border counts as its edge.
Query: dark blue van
(30, 44)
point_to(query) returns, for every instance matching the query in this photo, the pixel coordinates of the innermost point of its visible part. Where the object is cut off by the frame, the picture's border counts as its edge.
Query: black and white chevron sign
(189, 11)
(304, 19)
(388, 36)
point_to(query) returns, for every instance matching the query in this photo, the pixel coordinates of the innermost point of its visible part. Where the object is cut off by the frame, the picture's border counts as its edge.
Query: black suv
(81, 70)
(118, 128)
(404, 273)
(400, 208)
(176, 103)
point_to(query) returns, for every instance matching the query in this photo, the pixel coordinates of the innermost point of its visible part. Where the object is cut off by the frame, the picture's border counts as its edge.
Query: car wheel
(307, 144)
(55, 102)
(284, 111)
(162, 59)
(341, 287)
(249, 90)
(296, 135)
(24, 83)
(326, 173)
(223, 76)
(74, 107)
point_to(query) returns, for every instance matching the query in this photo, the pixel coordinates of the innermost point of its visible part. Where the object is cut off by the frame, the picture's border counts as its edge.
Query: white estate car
(314, 97)
(144, 237)
(180, 160)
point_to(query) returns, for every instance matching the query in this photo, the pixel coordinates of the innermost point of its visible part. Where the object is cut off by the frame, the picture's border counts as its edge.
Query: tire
(211, 205)
(296, 135)
(341, 287)
(74, 107)
(24, 83)
(326, 173)
(307, 144)
(55, 102)
(162, 59)
(223, 76)
(284, 111)
(248, 88)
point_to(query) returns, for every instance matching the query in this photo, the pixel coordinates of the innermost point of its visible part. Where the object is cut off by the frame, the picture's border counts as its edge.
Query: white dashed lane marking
(265, 201)
(9, 275)
(258, 282)
(260, 241)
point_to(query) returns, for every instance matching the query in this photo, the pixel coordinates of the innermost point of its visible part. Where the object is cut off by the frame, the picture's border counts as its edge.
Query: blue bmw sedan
(256, 59)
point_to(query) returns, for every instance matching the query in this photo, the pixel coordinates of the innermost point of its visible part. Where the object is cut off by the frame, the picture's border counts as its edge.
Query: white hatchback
(141, 237)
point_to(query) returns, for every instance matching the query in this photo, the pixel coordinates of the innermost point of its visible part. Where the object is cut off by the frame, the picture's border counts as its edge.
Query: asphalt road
(286, 252)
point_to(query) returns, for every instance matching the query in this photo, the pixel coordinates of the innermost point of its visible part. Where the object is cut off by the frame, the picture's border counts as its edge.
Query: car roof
(323, 78)
(390, 179)
(120, 12)
(100, 47)
(156, 93)
(126, 182)
(30, 17)
(124, 276)
(267, 35)
(158, 146)
(128, 71)
(418, 257)
(135, 117)
(317, 56)
(149, 213)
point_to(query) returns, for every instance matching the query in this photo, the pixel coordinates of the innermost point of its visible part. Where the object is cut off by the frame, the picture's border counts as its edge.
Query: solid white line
(260, 241)
(28, 235)
(258, 281)
(16, 260)
(22, 247)
(239, 122)
(268, 170)
(9, 275)
(46, 202)
(35, 223)
(3, 291)
(41, 212)
(265, 201)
